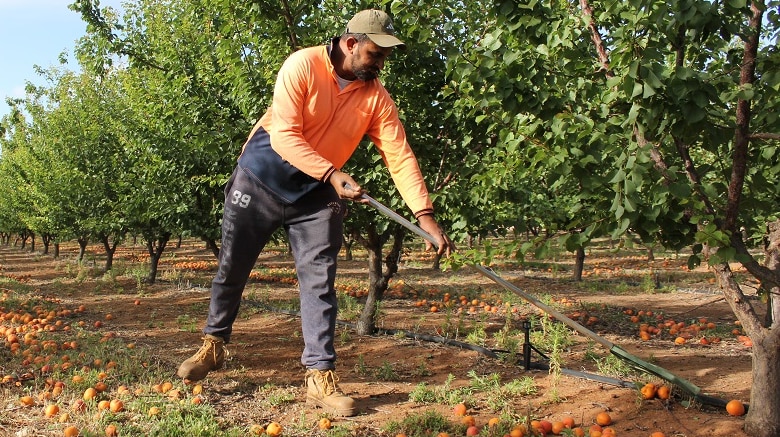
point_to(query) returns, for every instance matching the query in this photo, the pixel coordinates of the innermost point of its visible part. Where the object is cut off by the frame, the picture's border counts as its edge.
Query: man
(325, 100)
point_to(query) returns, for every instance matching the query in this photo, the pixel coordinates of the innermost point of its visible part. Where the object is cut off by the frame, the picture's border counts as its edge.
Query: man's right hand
(346, 187)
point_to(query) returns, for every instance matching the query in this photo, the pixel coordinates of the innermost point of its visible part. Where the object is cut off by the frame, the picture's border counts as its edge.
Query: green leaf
(693, 261)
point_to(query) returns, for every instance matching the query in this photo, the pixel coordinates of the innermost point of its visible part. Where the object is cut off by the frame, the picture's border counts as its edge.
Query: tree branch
(764, 136)
(739, 156)
(596, 37)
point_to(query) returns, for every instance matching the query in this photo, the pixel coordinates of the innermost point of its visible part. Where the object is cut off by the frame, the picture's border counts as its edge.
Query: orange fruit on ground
(658, 434)
(153, 411)
(70, 431)
(79, 406)
(324, 423)
(116, 405)
(568, 422)
(517, 431)
(679, 340)
(648, 391)
(472, 431)
(27, 401)
(273, 429)
(51, 410)
(459, 410)
(90, 393)
(101, 386)
(111, 431)
(493, 421)
(546, 426)
(603, 418)
(663, 392)
(166, 387)
(735, 407)
(578, 432)
(104, 405)
(468, 420)
(608, 432)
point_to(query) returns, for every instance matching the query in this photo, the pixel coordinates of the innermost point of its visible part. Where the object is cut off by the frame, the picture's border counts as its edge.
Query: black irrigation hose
(492, 353)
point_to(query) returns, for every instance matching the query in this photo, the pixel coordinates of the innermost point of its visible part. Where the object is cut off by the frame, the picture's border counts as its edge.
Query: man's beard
(365, 74)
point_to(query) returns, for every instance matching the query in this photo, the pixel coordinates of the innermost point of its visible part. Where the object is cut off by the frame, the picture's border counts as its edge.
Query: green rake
(691, 389)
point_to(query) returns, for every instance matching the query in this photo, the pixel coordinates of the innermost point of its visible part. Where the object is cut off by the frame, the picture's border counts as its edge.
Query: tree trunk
(212, 246)
(579, 263)
(82, 247)
(763, 417)
(772, 257)
(110, 250)
(56, 249)
(155, 249)
(377, 279)
(32, 241)
(347, 243)
(47, 240)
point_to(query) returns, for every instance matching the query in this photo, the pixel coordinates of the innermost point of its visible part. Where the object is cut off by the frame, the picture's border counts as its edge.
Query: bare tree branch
(596, 37)
(764, 136)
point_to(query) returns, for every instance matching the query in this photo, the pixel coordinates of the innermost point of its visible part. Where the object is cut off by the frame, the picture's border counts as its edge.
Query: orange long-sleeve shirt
(316, 127)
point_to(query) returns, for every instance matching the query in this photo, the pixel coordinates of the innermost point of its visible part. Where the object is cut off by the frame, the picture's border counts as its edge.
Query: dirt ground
(267, 344)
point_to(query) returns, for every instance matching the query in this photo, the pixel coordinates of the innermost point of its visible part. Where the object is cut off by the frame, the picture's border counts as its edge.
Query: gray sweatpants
(314, 227)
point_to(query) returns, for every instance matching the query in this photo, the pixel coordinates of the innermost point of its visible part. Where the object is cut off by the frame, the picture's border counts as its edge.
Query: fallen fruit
(51, 410)
(89, 394)
(273, 429)
(111, 431)
(116, 405)
(648, 391)
(603, 418)
(735, 407)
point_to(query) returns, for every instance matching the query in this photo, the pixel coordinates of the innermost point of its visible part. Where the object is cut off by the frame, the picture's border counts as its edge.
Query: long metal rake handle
(492, 275)
(616, 350)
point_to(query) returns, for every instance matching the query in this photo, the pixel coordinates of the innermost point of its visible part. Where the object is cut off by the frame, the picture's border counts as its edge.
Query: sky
(35, 32)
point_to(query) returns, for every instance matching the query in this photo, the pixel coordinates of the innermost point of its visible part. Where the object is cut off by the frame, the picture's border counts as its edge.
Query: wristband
(419, 214)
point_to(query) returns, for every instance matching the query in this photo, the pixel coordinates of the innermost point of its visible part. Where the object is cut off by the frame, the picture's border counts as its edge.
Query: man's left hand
(443, 242)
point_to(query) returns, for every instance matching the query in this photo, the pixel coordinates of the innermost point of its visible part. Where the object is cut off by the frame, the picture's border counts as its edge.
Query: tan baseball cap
(377, 25)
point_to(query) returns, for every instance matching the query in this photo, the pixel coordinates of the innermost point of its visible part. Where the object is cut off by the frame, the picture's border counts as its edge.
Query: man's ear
(352, 43)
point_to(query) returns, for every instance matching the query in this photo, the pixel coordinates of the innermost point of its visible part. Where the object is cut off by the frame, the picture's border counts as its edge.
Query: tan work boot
(210, 356)
(322, 390)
